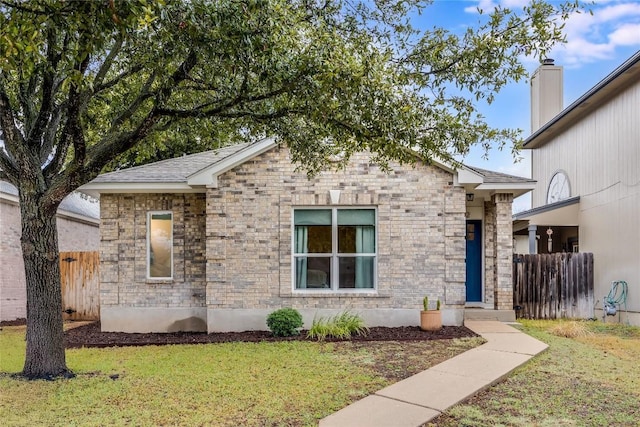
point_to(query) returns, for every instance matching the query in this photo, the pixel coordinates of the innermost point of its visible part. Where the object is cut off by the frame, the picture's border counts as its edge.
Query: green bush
(285, 322)
(341, 326)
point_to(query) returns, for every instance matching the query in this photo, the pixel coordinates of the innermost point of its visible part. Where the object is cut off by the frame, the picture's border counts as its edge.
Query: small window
(334, 249)
(160, 245)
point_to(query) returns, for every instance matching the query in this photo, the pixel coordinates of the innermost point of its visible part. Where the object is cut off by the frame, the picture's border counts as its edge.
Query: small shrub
(341, 326)
(285, 322)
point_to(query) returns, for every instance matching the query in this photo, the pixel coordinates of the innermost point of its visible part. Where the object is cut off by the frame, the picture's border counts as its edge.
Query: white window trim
(335, 281)
(149, 214)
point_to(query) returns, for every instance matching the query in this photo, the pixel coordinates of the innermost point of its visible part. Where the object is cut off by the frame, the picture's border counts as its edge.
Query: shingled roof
(499, 177)
(178, 169)
(196, 172)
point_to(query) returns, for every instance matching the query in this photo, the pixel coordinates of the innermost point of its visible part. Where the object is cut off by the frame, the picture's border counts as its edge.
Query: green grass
(592, 379)
(249, 384)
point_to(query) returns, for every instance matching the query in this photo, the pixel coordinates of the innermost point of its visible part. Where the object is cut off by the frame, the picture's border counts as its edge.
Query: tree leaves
(324, 77)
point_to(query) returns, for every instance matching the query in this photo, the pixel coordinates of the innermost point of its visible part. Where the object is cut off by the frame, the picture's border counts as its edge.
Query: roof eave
(517, 189)
(94, 189)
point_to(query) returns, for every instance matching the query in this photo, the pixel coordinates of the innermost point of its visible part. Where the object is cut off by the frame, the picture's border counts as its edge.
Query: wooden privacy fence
(80, 285)
(553, 286)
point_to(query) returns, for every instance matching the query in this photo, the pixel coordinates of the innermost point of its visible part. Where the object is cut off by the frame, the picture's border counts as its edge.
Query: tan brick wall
(489, 251)
(12, 280)
(123, 251)
(72, 236)
(421, 226)
(503, 249)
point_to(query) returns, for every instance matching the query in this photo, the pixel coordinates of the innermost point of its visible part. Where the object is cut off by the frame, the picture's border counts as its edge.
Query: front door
(474, 261)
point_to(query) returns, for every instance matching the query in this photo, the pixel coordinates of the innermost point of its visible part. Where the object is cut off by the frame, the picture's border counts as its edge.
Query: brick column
(503, 250)
(489, 251)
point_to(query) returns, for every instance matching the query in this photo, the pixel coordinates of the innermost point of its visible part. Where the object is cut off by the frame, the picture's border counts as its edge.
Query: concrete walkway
(422, 397)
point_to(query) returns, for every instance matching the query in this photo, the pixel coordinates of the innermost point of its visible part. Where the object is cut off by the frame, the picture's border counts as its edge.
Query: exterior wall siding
(420, 232)
(123, 252)
(72, 236)
(600, 154)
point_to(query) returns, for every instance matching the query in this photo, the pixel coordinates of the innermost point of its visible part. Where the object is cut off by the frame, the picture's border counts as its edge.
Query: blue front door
(474, 261)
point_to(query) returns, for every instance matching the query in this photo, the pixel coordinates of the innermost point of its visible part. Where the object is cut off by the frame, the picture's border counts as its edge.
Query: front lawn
(592, 379)
(250, 384)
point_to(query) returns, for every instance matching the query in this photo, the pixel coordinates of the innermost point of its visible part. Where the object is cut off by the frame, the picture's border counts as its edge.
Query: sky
(597, 43)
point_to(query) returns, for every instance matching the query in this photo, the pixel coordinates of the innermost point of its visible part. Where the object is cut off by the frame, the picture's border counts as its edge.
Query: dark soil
(91, 336)
(18, 322)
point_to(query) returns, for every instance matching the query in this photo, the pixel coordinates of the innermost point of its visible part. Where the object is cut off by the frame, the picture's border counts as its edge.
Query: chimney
(546, 94)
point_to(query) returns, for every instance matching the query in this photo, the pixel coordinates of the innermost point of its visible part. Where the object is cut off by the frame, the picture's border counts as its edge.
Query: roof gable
(196, 172)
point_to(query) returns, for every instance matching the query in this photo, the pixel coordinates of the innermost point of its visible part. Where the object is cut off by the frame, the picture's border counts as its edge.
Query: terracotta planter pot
(430, 320)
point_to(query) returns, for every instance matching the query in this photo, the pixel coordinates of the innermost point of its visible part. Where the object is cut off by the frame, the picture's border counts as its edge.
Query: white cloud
(591, 36)
(596, 36)
(626, 35)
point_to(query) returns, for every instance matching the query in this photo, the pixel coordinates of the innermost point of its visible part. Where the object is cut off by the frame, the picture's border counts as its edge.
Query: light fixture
(470, 197)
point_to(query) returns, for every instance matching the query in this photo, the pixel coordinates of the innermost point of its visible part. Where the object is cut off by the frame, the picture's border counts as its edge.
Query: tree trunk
(45, 357)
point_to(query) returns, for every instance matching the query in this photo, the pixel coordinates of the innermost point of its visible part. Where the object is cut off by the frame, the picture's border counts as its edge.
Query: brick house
(216, 241)
(78, 220)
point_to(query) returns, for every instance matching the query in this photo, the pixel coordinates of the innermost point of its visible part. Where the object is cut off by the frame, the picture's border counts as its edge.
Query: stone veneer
(503, 249)
(420, 236)
(233, 248)
(129, 301)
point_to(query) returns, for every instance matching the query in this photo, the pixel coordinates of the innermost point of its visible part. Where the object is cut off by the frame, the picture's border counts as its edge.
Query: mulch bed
(91, 336)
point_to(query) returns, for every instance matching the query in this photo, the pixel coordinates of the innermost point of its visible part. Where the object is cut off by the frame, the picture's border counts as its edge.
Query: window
(160, 245)
(334, 249)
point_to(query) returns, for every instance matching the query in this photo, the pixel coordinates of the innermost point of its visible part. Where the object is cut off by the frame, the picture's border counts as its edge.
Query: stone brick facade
(233, 246)
(73, 235)
(249, 223)
(503, 249)
(123, 252)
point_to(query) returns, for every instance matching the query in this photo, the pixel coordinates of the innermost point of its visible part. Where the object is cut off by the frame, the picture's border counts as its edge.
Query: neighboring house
(216, 241)
(78, 221)
(586, 161)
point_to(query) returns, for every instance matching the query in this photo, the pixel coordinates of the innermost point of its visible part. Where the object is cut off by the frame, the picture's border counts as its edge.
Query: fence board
(552, 286)
(80, 285)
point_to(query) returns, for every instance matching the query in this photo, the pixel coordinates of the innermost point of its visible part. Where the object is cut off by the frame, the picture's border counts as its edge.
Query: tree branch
(34, 134)
(133, 107)
(8, 168)
(13, 138)
(108, 61)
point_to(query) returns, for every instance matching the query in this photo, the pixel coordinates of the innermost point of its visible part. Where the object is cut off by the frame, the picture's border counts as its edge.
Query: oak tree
(89, 85)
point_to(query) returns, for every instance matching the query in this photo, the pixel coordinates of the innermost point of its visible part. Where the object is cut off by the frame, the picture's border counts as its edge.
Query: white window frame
(149, 216)
(335, 255)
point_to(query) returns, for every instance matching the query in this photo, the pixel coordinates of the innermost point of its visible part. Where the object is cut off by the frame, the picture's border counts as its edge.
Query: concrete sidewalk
(422, 397)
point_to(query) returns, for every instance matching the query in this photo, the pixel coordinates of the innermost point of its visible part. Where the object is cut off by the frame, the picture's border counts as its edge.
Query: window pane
(318, 239)
(356, 217)
(160, 245)
(313, 272)
(356, 272)
(356, 239)
(312, 217)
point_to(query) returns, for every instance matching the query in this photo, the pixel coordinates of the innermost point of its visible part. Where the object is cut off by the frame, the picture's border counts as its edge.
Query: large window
(334, 248)
(160, 245)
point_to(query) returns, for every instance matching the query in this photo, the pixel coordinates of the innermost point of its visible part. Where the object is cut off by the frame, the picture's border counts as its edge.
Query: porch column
(532, 238)
(503, 292)
(216, 228)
